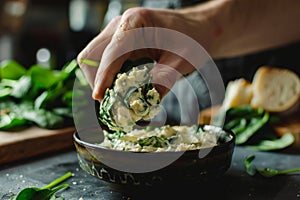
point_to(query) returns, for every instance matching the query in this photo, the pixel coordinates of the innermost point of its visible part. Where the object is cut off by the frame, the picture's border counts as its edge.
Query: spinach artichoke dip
(132, 98)
(160, 139)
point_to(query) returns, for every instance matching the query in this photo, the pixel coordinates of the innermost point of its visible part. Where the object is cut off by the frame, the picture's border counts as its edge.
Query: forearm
(246, 26)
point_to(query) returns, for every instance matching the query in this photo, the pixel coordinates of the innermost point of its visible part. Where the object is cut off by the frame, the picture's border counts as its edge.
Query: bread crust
(238, 93)
(275, 89)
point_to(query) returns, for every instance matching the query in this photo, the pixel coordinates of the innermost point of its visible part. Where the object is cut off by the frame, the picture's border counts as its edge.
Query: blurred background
(52, 32)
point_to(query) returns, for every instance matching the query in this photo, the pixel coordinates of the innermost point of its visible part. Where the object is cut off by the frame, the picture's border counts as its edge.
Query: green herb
(270, 172)
(31, 96)
(11, 69)
(89, 62)
(113, 137)
(265, 172)
(245, 110)
(233, 116)
(249, 166)
(154, 141)
(44, 193)
(240, 127)
(21, 88)
(268, 145)
(128, 95)
(23, 113)
(149, 128)
(252, 127)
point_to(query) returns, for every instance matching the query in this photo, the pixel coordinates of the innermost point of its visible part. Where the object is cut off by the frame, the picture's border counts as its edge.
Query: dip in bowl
(142, 167)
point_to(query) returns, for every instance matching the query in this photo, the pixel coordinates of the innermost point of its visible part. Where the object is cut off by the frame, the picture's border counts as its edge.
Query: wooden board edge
(38, 146)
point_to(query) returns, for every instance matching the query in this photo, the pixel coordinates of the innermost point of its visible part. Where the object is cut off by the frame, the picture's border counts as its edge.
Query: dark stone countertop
(235, 184)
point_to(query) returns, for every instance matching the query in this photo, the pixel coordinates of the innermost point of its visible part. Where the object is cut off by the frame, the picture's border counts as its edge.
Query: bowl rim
(78, 140)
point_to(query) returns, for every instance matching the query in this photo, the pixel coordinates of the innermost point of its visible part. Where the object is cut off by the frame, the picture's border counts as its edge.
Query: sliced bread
(238, 93)
(275, 89)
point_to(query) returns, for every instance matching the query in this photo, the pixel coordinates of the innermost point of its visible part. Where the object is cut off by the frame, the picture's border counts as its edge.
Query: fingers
(94, 50)
(164, 77)
(120, 48)
(126, 39)
(169, 69)
(106, 74)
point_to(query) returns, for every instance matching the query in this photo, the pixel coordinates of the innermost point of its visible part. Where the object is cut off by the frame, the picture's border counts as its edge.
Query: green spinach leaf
(19, 114)
(43, 78)
(9, 121)
(38, 96)
(4, 91)
(249, 166)
(9, 115)
(10, 69)
(276, 144)
(21, 88)
(268, 172)
(154, 141)
(45, 193)
(43, 118)
(254, 125)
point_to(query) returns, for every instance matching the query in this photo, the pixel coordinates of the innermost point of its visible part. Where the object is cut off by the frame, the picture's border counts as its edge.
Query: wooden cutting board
(33, 141)
(290, 122)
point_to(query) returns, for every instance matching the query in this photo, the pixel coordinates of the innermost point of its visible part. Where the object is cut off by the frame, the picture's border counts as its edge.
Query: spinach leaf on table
(24, 113)
(49, 97)
(4, 92)
(15, 88)
(254, 125)
(63, 111)
(44, 193)
(276, 144)
(11, 121)
(43, 118)
(249, 166)
(10, 118)
(37, 96)
(253, 128)
(21, 88)
(268, 172)
(6, 86)
(44, 78)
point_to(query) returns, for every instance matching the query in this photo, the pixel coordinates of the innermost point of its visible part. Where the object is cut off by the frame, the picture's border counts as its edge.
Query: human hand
(140, 33)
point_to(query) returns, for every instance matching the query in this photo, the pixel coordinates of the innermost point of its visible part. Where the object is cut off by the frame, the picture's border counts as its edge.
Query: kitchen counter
(235, 184)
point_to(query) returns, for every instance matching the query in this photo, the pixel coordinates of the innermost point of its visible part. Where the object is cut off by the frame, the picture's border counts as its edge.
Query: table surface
(235, 184)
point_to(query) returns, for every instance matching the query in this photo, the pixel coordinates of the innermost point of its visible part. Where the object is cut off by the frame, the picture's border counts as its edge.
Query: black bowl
(147, 170)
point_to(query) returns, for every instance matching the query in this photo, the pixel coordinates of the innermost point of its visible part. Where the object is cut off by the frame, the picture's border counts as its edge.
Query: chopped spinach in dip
(132, 98)
(158, 139)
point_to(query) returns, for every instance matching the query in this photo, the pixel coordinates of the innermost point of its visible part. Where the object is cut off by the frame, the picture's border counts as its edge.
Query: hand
(215, 25)
(130, 37)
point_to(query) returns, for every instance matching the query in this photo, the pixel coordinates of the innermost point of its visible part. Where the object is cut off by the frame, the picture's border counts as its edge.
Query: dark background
(26, 26)
(29, 25)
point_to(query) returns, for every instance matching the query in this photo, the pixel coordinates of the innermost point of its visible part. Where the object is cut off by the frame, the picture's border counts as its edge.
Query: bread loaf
(275, 89)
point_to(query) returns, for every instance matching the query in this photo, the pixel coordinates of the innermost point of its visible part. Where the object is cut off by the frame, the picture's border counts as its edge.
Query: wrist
(206, 24)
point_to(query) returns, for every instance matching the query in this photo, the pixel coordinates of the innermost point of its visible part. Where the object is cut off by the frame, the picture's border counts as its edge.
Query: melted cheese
(175, 138)
(132, 98)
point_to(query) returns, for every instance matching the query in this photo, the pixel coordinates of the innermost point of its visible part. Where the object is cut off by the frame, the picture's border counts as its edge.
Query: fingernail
(95, 94)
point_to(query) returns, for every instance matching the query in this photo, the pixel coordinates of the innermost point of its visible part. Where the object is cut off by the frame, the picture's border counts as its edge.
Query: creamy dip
(131, 99)
(159, 139)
